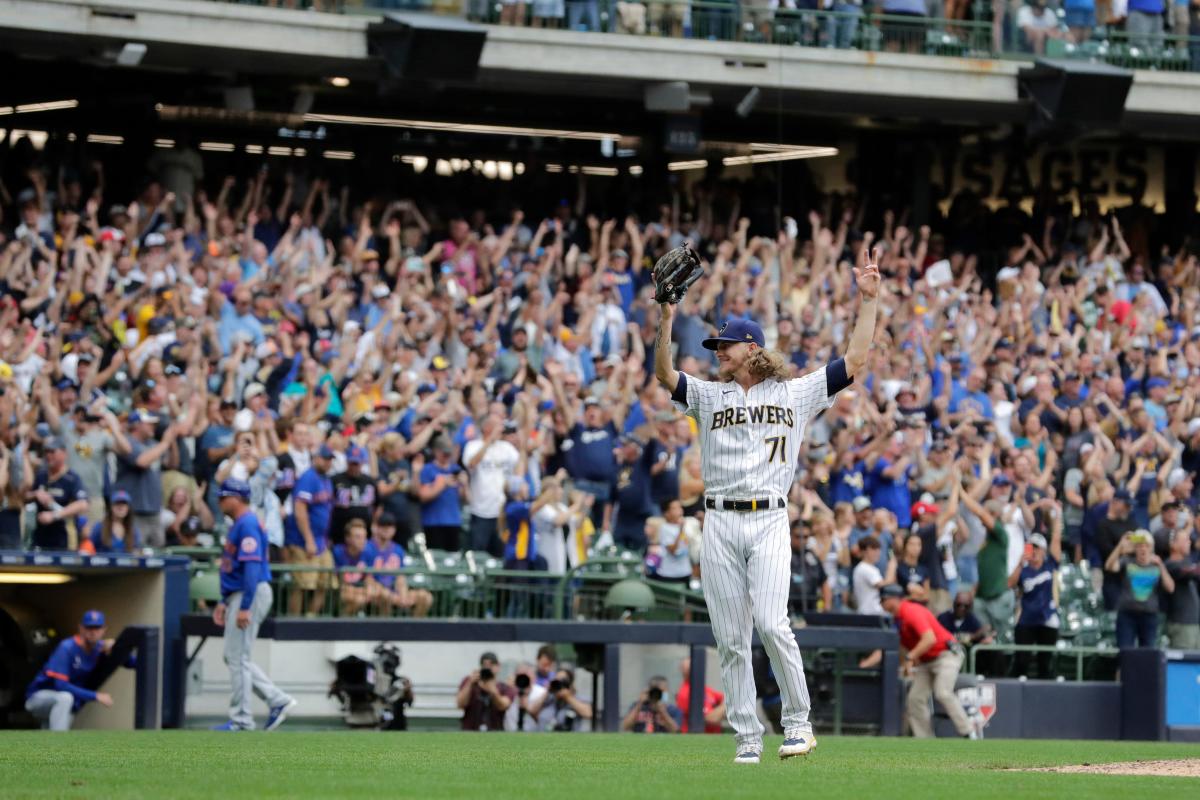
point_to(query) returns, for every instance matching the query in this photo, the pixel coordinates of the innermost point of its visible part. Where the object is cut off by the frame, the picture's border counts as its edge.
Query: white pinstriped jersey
(750, 440)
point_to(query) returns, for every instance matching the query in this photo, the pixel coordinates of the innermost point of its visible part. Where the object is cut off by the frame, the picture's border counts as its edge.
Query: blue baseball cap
(1156, 382)
(324, 451)
(737, 330)
(232, 487)
(142, 415)
(120, 496)
(356, 455)
(93, 619)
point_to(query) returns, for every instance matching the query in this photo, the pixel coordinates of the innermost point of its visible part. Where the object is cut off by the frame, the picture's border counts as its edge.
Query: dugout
(43, 596)
(871, 701)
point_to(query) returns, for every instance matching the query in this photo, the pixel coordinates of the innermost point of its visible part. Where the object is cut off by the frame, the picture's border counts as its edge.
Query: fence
(1090, 663)
(464, 587)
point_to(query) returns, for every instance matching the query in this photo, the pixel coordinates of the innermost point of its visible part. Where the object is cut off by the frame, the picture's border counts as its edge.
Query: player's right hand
(219, 615)
(310, 548)
(104, 699)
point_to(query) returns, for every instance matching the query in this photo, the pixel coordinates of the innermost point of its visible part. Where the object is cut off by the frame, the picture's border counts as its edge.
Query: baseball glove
(675, 272)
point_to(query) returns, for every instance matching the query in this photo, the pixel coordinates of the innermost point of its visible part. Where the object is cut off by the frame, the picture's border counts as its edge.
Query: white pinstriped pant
(745, 566)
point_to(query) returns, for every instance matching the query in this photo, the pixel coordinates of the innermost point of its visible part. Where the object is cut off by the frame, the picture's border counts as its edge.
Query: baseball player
(245, 601)
(751, 422)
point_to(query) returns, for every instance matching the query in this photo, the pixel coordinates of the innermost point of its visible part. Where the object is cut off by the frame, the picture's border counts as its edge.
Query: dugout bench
(608, 637)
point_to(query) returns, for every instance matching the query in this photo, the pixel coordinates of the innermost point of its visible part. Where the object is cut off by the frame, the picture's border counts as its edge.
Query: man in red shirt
(931, 658)
(714, 701)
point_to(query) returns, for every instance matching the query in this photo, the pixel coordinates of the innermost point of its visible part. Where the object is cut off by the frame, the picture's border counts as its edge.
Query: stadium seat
(630, 595)
(205, 586)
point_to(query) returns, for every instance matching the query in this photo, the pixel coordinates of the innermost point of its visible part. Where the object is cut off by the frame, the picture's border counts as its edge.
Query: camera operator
(560, 709)
(651, 713)
(483, 698)
(518, 716)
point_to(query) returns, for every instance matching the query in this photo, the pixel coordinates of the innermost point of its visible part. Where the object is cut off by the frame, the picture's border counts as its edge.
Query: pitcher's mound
(1183, 768)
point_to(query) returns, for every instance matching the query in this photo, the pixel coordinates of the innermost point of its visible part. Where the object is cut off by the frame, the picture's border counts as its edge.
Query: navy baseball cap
(356, 455)
(737, 330)
(93, 619)
(232, 487)
(891, 590)
(1123, 496)
(324, 451)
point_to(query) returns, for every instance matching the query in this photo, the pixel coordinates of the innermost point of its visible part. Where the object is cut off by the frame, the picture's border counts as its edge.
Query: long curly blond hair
(764, 363)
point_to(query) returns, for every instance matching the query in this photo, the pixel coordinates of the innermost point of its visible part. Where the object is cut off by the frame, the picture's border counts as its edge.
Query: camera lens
(555, 686)
(522, 681)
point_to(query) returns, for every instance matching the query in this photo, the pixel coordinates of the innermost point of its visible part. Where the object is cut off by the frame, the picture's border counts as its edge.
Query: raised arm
(866, 275)
(664, 368)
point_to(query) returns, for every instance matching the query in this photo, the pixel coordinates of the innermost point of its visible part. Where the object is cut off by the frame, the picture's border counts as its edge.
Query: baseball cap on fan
(737, 330)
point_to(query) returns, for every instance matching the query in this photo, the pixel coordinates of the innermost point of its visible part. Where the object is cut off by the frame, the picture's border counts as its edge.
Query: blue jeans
(841, 30)
(968, 570)
(1136, 629)
(577, 9)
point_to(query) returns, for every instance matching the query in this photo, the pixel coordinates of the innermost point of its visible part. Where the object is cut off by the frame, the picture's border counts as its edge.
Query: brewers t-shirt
(1037, 595)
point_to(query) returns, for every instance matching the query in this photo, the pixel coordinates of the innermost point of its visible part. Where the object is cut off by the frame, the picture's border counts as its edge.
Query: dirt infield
(1184, 768)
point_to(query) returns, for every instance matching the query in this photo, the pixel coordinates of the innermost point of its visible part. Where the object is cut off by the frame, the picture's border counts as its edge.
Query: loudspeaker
(427, 47)
(1074, 93)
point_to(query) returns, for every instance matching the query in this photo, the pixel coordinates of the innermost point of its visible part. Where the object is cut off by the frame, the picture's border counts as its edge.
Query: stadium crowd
(378, 368)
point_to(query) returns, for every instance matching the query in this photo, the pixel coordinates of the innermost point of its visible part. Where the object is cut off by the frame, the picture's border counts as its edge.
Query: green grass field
(181, 764)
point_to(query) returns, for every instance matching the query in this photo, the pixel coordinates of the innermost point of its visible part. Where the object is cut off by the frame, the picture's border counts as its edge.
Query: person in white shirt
(867, 579)
(1037, 24)
(490, 461)
(676, 563)
(550, 513)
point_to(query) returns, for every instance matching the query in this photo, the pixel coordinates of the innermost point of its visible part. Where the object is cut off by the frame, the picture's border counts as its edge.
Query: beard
(726, 370)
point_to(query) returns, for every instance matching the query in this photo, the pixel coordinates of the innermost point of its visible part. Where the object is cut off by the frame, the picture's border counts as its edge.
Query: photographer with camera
(483, 698)
(560, 709)
(518, 717)
(651, 713)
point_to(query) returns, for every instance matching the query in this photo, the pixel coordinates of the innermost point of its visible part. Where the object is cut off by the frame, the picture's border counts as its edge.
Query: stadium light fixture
(604, 172)
(165, 144)
(104, 138)
(254, 149)
(460, 127)
(680, 166)
(217, 147)
(635, 169)
(33, 108)
(275, 150)
(44, 578)
(768, 153)
(339, 82)
(339, 155)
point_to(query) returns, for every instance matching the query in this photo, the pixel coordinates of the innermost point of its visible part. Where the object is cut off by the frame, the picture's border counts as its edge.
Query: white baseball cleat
(746, 757)
(797, 746)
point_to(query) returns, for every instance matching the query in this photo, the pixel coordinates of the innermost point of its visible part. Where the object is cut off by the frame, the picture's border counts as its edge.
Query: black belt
(762, 504)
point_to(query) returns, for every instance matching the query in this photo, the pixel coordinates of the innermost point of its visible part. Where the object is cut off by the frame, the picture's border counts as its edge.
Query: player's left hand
(243, 618)
(866, 274)
(219, 615)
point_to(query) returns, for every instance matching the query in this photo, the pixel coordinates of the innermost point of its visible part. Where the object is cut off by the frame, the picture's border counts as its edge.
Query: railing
(865, 28)
(464, 590)
(1079, 654)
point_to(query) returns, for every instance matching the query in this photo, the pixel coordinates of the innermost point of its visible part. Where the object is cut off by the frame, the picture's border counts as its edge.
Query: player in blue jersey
(59, 691)
(245, 602)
